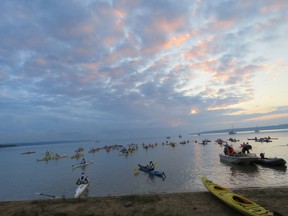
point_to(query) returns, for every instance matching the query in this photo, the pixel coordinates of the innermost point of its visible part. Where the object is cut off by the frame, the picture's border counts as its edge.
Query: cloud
(139, 64)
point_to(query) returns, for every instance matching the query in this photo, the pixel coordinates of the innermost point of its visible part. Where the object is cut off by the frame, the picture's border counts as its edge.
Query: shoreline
(273, 199)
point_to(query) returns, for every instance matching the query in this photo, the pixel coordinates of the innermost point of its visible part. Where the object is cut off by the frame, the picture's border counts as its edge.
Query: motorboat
(239, 158)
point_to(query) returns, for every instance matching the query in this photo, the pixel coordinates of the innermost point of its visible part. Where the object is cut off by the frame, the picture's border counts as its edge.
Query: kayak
(45, 158)
(52, 157)
(157, 173)
(80, 190)
(29, 152)
(151, 172)
(59, 156)
(236, 201)
(77, 156)
(81, 164)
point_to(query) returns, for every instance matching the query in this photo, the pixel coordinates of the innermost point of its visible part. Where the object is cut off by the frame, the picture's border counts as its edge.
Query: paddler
(83, 161)
(150, 166)
(82, 180)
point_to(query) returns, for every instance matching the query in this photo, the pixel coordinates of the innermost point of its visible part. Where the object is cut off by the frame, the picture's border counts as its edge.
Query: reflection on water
(113, 174)
(243, 169)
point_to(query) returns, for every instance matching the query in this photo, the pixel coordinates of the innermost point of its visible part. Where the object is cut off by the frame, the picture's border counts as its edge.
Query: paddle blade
(136, 171)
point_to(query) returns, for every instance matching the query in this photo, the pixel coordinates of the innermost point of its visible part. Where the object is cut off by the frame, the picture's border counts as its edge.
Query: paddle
(136, 171)
(48, 195)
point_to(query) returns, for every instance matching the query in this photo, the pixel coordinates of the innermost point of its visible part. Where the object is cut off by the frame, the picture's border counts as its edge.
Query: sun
(193, 111)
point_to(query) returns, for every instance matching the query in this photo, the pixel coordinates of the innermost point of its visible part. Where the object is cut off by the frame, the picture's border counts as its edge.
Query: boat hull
(271, 161)
(77, 156)
(244, 159)
(151, 172)
(236, 201)
(80, 190)
(81, 165)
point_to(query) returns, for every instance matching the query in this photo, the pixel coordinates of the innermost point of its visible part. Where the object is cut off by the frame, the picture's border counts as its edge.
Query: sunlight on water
(113, 174)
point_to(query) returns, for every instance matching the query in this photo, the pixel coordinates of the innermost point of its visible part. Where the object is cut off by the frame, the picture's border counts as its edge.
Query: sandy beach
(198, 203)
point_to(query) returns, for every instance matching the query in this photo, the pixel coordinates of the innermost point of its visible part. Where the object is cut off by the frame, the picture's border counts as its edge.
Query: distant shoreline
(40, 143)
(7, 145)
(263, 128)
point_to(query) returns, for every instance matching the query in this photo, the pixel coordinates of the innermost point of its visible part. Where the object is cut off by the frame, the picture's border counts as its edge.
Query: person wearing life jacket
(230, 150)
(83, 161)
(82, 180)
(150, 166)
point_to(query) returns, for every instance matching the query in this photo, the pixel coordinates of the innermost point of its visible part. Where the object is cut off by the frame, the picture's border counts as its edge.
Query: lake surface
(112, 173)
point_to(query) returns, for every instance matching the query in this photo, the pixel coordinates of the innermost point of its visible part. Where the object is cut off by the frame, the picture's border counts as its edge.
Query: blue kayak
(151, 172)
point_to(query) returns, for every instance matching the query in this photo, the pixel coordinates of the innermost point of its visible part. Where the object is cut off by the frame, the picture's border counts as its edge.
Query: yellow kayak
(77, 156)
(236, 201)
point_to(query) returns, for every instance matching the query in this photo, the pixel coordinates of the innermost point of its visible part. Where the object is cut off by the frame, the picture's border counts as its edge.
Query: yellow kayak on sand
(236, 201)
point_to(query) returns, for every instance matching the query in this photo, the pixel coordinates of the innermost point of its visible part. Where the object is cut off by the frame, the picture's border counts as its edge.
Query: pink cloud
(267, 117)
(201, 50)
(277, 5)
(176, 41)
(223, 25)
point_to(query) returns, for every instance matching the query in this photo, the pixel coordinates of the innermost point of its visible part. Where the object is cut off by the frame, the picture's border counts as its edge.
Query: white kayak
(80, 190)
(82, 164)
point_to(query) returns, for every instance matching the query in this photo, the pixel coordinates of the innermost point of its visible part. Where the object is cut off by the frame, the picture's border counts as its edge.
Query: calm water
(112, 174)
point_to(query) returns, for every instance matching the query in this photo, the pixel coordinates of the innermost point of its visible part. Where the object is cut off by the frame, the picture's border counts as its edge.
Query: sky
(96, 69)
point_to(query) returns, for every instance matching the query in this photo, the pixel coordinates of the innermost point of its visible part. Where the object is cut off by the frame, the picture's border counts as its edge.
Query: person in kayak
(83, 161)
(82, 180)
(150, 166)
(246, 148)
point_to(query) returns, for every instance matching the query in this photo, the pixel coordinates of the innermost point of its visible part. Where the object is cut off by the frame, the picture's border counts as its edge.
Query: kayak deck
(80, 190)
(81, 164)
(236, 201)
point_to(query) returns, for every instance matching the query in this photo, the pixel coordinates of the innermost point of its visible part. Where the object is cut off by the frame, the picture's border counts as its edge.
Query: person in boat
(83, 161)
(262, 156)
(230, 150)
(77, 154)
(246, 148)
(47, 153)
(82, 180)
(150, 166)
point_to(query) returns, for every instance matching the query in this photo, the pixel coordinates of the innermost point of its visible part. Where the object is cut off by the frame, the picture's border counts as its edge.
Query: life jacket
(230, 150)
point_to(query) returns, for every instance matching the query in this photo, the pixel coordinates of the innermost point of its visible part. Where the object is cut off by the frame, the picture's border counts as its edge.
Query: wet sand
(198, 203)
